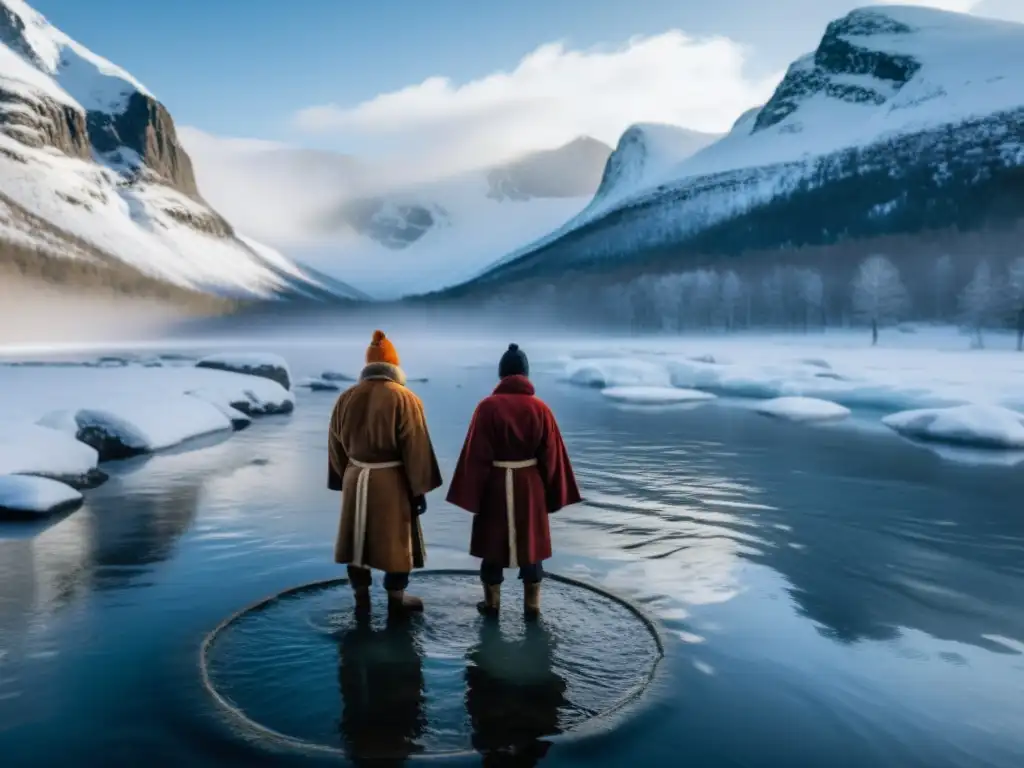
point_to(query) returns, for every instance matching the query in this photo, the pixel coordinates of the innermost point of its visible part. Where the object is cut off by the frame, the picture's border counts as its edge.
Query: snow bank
(978, 426)
(142, 425)
(31, 449)
(655, 395)
(803, 409)
(267, 366)
(22, 496)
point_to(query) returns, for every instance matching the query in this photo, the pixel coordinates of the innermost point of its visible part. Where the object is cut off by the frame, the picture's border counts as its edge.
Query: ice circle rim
(597, 724)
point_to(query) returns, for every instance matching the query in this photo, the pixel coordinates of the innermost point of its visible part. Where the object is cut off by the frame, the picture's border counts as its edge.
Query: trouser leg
(360, 579)
(491, 573)
(532, 573)
(396, 582)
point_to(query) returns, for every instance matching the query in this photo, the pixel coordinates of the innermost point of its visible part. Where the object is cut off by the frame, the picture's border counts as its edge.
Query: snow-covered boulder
(655, 395)
(252, 396)
(138, 426)
(319, 384)
(803, 409)
(267, 366)
(238, 419)
(28, 497)
(31, 449)
(617, 372)
(978, 426)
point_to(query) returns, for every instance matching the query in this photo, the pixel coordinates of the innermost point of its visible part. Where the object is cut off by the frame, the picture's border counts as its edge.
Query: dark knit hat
(513, 363)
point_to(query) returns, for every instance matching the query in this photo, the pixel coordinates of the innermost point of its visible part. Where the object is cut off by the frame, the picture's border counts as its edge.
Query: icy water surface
(829, 596)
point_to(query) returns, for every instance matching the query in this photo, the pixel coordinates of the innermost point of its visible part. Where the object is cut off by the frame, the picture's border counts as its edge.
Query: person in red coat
(512, 473)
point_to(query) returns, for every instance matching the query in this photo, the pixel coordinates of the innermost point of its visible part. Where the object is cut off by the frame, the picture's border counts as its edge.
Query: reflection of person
(381, 676)
(513, 472)
(381, 458)
(513, 696)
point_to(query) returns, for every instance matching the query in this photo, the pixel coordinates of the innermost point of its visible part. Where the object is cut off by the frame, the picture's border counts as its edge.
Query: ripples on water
(834, 597)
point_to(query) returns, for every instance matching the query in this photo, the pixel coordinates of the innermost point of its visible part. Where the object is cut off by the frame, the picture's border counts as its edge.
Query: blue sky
(247, 67)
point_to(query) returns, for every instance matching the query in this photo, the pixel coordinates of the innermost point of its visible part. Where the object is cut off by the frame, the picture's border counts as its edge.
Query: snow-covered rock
(617, 372)
(144, 425)
(319, 384)
(31, 449)
(977, 426)
(803, 409)
(222, 402)
(917, 110)
(336, 376)
(27, 497)
(264, 365)
(655, 395)
(91, 168)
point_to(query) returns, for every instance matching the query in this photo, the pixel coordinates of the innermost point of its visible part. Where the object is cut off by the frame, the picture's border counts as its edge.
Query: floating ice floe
(139, 426)
(617, 372)
(265, 365)
(23, 496)
(977, 426)
(320, 384)
(31, 449)
(802, 409)
(655, 395)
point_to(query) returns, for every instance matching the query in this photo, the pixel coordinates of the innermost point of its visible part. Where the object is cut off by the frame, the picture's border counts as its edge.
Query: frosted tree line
(875, 294)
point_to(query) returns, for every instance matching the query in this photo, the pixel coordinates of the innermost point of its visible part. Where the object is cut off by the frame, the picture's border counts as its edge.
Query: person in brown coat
(382, 460)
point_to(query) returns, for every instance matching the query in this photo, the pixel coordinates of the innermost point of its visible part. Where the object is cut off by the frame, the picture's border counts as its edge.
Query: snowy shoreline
(60, 421)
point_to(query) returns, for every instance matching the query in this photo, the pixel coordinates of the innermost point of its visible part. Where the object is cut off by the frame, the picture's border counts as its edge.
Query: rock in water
(23, 496)
(265, 366)
(336, 376)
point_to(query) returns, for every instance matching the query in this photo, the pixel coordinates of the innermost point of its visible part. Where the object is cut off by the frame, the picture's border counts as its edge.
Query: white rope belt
(510, 503)
(362, 494)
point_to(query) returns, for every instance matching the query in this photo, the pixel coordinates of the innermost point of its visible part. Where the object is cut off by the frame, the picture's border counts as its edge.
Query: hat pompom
(513, 347)
(378, 337)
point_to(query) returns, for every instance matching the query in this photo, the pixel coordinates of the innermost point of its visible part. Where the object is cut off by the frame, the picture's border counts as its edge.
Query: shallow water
(831, 596)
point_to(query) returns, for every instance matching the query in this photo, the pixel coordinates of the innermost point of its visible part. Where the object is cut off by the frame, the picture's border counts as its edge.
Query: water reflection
(382, 689)
(513, 695)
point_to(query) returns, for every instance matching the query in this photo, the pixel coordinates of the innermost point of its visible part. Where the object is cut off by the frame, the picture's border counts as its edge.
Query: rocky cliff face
(37, 121)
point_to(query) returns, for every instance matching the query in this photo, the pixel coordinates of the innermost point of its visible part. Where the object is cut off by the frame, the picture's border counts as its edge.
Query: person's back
(381, 458)
(512, 473)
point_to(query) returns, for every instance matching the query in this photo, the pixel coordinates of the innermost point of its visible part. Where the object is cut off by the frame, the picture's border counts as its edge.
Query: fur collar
(514, 385)
(383, 372)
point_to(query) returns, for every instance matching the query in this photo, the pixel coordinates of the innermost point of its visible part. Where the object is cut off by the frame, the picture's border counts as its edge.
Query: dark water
(830, 596)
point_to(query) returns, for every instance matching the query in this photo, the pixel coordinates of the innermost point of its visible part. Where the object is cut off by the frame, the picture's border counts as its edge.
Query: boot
(399, 602)
(491, 603)
(362, 595)
(531, 600)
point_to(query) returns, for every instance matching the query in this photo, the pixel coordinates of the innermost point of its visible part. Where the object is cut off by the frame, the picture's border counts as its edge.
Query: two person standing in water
(512, 473)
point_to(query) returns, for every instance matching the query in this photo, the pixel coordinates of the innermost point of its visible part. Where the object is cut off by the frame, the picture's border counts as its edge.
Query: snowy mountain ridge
(87, 148)
(891, 94)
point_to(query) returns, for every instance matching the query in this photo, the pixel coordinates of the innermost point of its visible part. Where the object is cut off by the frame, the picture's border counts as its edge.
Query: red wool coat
(512, 425)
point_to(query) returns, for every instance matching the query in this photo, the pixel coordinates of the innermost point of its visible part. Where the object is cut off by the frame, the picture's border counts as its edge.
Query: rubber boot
(401, 603)
(491, 603)
(531, 600)
(362, 595)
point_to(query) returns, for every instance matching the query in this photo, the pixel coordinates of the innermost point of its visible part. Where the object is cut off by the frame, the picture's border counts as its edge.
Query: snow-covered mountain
(91, 168)
(392, 237)
(904, 119)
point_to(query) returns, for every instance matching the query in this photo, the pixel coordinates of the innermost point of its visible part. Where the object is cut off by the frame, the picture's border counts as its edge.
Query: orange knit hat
(381, 350)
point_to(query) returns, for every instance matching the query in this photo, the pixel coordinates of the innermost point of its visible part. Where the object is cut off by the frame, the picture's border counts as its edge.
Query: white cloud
(553, 95)
(960, 6)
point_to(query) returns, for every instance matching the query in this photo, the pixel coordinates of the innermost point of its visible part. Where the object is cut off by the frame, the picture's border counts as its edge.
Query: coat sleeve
(337, 458)
(559, 480)
(418, 457)
(475, 464)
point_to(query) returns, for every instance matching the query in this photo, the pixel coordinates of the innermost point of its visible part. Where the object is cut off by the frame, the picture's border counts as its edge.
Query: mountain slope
(86, 149)
(391, 237)
(904, 119)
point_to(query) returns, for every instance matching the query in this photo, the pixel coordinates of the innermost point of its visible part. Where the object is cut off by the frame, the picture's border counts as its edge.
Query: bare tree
(942, 284)
(1016, 290)
(732, 292)
(878, 293)
(979, 303)
(811, 290)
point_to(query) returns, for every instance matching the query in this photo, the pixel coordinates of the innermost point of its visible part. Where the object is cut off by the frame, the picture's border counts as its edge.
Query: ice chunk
(336, 376)
(655, 395)
(617, 372)
(142, 425)
(31, 449)
(24, 496)
(979, 426)
(803, 409)
(267, 366)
